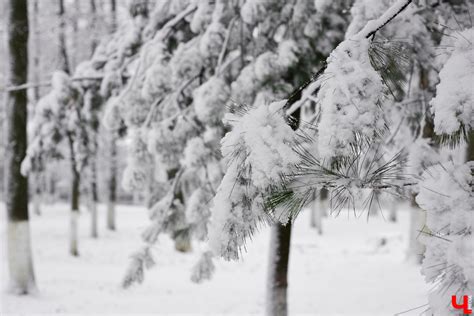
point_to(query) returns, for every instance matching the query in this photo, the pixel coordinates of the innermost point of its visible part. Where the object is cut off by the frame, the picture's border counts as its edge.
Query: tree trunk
(37, 194)
(94, 195)
(416, 249)
(75, 195)
(317, 214)
(470, 146)
(37, 56)
(324, 201)
(73, 238)
(36, 96)
(113, 15)
(112, 182)
(51, 186)
(92, 101)
(182, 243)
(63, 56)
(20, 259)
(392, 217)
(278, 270)
(75, 40)
(93, 27)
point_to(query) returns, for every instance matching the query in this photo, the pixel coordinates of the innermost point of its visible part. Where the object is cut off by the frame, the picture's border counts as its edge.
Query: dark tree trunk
(36, 96)
(37, 56)
(63, 56)
(278, 270)
(75, 196)
(470, 146)
(317, 210)
(93, 26)
(94, 193)
(75, 42)
(113, 15)
(416, 249)
(112, 182)
(20, 261)
(37, 193)
(93, 101)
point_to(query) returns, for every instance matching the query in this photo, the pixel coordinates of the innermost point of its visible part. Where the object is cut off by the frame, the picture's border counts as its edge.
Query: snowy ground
(344, 272)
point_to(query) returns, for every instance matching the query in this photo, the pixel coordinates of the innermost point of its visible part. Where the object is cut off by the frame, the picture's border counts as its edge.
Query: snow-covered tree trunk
(93, 25)
(416, 248)
(113, 15)
(37, 195)
(112, 182)
(276, 304)
(36, 96)
(324, 201)
(182, 238)
(183, 243)
(470, 147)
(20, 261)
(317, 213)
(75, 43)
(51, 182)
(112, 176)
(94, 193)
(92, 104)
(75, 195)
(392, 216)
(37, 55)
(63, 56)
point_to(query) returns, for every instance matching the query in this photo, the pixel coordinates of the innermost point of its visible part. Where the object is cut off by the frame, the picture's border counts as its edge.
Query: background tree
(59, 117)
(20, 260)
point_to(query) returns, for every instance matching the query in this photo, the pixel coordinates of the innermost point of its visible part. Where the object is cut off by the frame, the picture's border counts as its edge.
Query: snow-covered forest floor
(355, 268)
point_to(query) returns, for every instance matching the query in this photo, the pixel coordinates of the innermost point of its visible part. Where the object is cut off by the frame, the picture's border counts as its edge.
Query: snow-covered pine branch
(446, 192)
(350, 93)
(177, 96)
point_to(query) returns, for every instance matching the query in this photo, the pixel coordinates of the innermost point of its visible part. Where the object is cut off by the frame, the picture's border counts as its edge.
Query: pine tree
(446, 189)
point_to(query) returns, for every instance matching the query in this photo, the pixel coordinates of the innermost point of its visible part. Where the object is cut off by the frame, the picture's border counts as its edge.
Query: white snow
(346, 271)
(454, 101)
(349, 98)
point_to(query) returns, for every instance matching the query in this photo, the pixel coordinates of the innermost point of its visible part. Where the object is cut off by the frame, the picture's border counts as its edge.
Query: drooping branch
(224, 46)
(170, 25)
(28, 85)
(304, 92)
(373, 26)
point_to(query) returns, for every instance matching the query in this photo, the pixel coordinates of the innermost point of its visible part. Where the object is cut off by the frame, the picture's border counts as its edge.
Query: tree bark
(75, 195)
(20, 259)
(94, 193)
(75, 42)
(113, 15)
(92, 102)
(36, 97)
(393, 213)
(93, 26)
(37, 194)
(416, 249)
(317, 213)
(112, 182)
(37, 56)
(470, 146)
(278, 270)
(63, 56)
